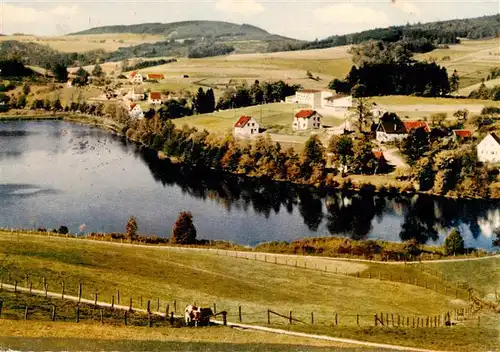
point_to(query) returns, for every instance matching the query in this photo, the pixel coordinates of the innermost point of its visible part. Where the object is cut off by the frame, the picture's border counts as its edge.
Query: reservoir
(55, 173)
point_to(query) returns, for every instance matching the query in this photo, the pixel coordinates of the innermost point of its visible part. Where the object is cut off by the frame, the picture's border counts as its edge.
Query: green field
(269, 115)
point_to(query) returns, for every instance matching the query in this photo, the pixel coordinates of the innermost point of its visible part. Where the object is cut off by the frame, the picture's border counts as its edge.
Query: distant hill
(422, 37)
(190, 30)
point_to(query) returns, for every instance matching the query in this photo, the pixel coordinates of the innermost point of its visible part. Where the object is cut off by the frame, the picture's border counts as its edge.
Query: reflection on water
(57, 173)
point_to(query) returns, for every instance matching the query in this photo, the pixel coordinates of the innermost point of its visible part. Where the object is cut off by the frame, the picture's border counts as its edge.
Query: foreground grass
(482, 275)
(49, 336)
(205, 278)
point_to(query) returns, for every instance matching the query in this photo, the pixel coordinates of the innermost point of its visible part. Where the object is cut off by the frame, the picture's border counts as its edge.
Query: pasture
(472, 59)
(207, 278)
(83, 43)
(276, 116)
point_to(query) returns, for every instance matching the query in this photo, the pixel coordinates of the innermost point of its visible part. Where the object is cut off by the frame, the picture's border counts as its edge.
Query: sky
(305, 20)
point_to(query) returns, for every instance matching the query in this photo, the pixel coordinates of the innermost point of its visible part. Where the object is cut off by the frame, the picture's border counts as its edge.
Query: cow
(200, 316)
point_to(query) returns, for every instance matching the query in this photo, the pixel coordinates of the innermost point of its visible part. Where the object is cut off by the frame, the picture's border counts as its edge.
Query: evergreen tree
(184, 231)
(81, 78)
(200, 101)
(454, 243)
(454, 81)
(257, 93)
(98, 71)
(131, 229)
(496, 241)
(210, 100)
(60, 72)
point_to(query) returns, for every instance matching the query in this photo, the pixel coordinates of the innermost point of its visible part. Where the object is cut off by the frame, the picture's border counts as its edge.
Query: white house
(135, 94)
(306, 119)
(154, 98)
(291, 99)
(246, 126)
(338, 104)
(311, 97)
(135, 111)
(136, 77)
(488, 150)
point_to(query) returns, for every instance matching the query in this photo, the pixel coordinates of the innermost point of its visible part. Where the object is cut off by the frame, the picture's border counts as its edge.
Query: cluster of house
(137, 78)
(305, 119)
(325, 100)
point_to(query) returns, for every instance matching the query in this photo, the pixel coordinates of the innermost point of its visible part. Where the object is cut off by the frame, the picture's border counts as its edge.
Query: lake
(55, 173)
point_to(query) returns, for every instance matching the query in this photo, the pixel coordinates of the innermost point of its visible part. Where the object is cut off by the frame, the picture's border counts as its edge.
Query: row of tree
(486, 93)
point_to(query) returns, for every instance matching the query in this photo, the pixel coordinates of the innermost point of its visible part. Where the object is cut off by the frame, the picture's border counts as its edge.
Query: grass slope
(206, 278)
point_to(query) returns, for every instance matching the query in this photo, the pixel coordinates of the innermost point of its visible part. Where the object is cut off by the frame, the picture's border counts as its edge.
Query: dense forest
(421, 37)
(209, 49)
(144, 64)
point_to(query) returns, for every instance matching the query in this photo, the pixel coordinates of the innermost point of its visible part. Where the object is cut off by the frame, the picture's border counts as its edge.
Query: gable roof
(412, 125)
(156, 76)
(337, 96)
(132, 106)
(391, 126)
(133, 74)
(155, 95)
(309, 91)
(305, 114)
(463, 133)
(243, 120)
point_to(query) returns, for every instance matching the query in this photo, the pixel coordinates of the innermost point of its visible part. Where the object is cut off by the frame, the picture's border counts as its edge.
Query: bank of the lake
(101, 179)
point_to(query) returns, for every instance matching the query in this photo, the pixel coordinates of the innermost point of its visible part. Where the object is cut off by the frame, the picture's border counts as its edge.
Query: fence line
(382, 319)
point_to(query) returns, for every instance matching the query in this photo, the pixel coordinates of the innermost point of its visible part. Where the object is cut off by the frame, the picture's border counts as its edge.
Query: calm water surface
(55, 173)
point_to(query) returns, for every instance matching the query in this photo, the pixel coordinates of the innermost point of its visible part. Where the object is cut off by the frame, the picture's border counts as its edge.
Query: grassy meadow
(206, 278)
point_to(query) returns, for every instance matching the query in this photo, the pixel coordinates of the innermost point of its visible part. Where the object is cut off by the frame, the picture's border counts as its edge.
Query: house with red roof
(306, 119)
(136, 77)
(135, 111)
(488, 150)
(462, 134)
(154, 98)
(155, 76)
(391, 128)
(246, 126)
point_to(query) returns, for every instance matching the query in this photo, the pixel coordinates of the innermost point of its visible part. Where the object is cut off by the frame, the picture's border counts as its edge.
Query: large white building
(246, 126)
(488, 150)
(306, 120)
(311, 97)
(338, 104)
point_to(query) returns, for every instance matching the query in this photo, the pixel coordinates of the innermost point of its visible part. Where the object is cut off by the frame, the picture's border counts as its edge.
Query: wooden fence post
(413, 321)
(239, 313)
(125, 318)
(312, 318)
(224, 318)
(15, 287)
(112, 302)
(130, 305)
(175, 306)
(357, 319)
(399, 321)
(149, 306)
(268, 317)
(31, 287)
(54, 312)
(78, 314)
(167, 308)
(102, 316)
(336, 319)
(95, 299)
(79, 292)
(407, 321)
(1, 306)
(387, 319)
(392, 319)
(172, 318)
(376, 319)
(290, 319)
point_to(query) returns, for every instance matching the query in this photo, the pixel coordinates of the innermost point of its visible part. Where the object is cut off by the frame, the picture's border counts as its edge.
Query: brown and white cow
(200, 316)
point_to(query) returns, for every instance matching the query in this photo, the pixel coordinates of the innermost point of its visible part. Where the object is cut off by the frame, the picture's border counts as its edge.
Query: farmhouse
(155, 76)
(462, 135)
(154, 98)
(136, 77)
(311, 97)
(338, 104)
(390, 129)
(488, 150)
(246, 126)
(306, 119)
(135, 111)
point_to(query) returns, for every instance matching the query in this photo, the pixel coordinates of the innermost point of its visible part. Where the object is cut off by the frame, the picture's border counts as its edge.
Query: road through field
(57, 295)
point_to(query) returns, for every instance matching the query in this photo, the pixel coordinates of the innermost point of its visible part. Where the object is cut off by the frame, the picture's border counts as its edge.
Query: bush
(63, 230)
(454, 243)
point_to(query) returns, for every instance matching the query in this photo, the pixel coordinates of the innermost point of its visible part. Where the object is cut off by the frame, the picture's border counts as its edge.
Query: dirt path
(56, 295)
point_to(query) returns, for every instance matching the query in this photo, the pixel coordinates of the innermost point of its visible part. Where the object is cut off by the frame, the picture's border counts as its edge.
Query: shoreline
(343, 183)
(221, 246)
